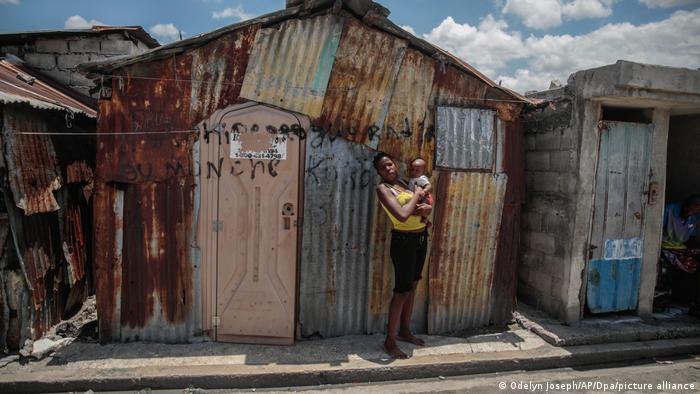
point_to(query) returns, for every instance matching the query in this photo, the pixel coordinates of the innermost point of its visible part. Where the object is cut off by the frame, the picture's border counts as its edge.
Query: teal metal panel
(613, 285)
(290, 64)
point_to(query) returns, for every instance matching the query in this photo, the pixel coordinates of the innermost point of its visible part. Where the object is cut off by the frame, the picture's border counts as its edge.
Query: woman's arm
(402, 213)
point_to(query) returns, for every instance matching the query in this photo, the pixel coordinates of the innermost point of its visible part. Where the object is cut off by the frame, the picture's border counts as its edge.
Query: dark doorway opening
(678, 270)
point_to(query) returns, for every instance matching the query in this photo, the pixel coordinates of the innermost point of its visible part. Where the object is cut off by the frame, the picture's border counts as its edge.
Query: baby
(418, 178)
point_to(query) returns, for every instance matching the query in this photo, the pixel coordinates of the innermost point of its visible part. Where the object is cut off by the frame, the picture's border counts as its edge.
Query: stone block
(61, 76)
(52, 46)
(530, 143)
(532, 258)
(540, 280)
(11, 49)
(568, 139)
(537, 161)
(69, 62)
(112, 46)
(78, 79)
(84, 45)
(547, 181)
(548, 141)
(560, 161)
(568, 184)
(558, 224)
(543, 242)
(41, 61)
(533, 221)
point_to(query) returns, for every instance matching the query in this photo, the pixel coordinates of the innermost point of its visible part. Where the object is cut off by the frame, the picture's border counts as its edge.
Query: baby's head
(417, 168)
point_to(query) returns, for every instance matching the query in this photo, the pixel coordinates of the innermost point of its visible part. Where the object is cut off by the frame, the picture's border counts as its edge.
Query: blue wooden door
(620, 198)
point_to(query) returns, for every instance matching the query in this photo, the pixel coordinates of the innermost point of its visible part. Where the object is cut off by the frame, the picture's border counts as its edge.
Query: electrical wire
(192, 81)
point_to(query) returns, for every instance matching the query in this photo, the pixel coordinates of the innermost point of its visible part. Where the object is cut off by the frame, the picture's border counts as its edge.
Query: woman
(408, 249)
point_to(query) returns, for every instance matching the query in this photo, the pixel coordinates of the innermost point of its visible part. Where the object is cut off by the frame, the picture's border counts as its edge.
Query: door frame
(652, 226)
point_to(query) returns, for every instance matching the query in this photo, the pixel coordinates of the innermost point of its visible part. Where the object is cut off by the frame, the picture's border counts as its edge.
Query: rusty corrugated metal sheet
(222, 64)
(20, 84)
(74, 244)
(339, 191)
(465, 241)
(409, 124)
(157, 289)
(168, 105)
(361, 84)
(108, 214)
(290, 65)
(80, 172)
(505, 279)
(465, 138)
(31, 163)
(159, 171)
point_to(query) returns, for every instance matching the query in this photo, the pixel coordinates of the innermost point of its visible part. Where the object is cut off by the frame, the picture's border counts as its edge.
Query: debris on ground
(81, 326)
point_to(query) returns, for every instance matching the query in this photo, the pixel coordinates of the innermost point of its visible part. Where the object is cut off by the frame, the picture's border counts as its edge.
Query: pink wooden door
(255, 259)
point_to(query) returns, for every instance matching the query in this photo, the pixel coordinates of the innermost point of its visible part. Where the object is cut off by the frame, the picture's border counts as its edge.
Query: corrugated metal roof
(339, 194)
(135, 31)
(20, 84)
(360, 87)
(375, 15)
(409, 132)
(289, 66)
(465, 138)
(465, 241)
(31, 162)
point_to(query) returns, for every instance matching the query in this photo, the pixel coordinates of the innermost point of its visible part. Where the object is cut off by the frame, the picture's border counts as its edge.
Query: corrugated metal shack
(189, 226)
(45, 212)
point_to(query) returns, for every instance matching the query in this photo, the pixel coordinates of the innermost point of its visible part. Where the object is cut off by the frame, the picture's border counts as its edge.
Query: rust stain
(506, 265)
(151, 266)
(462, 262)
(409, 131)
(222, 64)
(363, 76)
(144, 274)
(31, 162)
(81, 172)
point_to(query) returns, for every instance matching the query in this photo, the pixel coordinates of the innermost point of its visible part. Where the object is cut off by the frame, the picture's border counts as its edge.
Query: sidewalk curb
(222, 377)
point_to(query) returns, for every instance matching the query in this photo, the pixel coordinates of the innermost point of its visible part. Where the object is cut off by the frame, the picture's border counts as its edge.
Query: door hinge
(215, 321)
(217, 225)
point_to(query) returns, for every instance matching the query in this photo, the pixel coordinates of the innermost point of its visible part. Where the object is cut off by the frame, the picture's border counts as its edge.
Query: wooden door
(258, 172)
(622, 177)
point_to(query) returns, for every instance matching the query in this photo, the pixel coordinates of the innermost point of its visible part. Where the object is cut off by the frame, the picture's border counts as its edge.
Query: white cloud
(535, 14)
(78, 22)
(583, 9)
(667, 3)
(409, 29)
(13, 2)
(236, 12)
(489, 46)
(493, 49)
(545, 14)
(166, 32)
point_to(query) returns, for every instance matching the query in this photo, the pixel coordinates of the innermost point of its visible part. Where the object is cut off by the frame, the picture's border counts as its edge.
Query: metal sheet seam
(385, 108)
(195, 252)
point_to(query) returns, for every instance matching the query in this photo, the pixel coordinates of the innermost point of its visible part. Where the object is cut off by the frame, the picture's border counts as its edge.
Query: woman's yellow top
(413, 223)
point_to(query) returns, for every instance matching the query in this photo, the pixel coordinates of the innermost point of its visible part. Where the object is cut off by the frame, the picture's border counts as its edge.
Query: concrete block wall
(58, 57)
(551, 170)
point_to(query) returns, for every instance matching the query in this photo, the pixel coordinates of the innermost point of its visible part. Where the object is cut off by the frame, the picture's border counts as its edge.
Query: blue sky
(523, 43)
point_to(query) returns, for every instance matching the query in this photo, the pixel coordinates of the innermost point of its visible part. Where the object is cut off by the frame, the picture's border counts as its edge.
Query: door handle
(287, 213)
